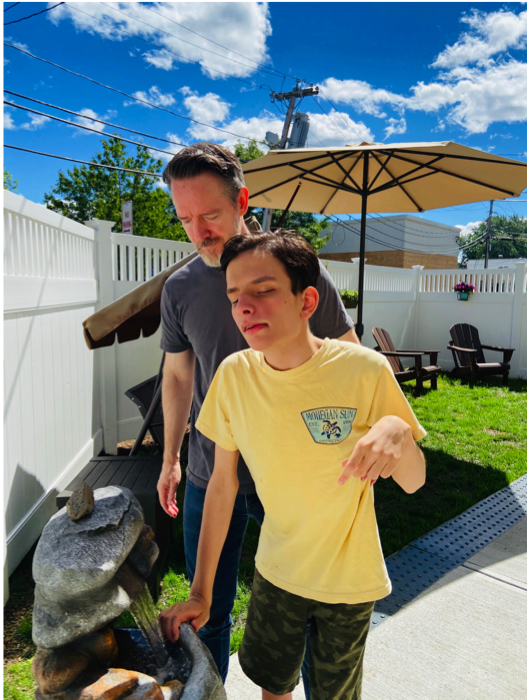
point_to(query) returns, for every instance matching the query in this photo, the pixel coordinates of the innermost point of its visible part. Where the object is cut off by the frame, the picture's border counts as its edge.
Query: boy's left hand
(379, 452)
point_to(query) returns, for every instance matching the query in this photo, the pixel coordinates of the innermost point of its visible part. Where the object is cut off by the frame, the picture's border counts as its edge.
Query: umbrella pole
(360, 326)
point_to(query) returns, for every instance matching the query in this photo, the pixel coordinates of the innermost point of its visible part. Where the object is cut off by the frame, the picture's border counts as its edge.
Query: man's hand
(195, 610)
(167, 485)
(380, 451)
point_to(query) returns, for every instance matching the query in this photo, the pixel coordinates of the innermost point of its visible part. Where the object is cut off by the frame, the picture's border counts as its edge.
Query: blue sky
(389, 72)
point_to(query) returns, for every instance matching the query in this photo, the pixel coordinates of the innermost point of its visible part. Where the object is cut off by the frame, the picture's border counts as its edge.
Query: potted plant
(350, 298)
(464, 290)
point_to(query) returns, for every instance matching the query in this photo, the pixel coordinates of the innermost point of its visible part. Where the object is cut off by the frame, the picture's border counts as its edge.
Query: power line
(11, 6)
(84, 162)
(216, 43)
(94, 119)
(135, 36)
(120, 92)
(332, 105)
(392, 247)
(87, 128)
(22, 19)
(202, 48)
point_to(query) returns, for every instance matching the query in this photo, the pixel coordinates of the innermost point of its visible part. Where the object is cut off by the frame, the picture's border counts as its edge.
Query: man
(198, 332)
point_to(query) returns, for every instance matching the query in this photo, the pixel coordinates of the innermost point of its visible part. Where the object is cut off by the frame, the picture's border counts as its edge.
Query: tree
(9, 182)
(511, 227)
(305, 223)
(89, 192)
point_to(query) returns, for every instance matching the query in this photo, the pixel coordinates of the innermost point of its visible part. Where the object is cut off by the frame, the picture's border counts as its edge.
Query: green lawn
(476, 445)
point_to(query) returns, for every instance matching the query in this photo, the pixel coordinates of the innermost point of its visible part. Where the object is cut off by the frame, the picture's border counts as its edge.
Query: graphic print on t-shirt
(329, 425)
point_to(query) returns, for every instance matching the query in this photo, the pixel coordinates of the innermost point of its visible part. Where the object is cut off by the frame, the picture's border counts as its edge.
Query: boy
(331, 412)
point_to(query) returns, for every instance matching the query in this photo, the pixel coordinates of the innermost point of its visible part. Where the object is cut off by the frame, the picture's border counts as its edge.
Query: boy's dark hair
(207, 158)
(293, 251)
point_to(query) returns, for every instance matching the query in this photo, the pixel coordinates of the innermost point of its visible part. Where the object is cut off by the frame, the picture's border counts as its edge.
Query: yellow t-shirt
(294, 429)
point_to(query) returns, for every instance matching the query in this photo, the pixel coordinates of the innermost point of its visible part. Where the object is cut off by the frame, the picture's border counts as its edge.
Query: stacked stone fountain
(90, 565)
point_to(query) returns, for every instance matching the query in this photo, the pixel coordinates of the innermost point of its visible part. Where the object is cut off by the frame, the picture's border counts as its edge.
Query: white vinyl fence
(64, 403)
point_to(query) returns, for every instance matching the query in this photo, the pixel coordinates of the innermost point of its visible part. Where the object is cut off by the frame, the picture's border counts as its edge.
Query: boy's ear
(310, 299)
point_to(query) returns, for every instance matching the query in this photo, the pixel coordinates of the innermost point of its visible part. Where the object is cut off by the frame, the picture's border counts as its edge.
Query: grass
(476, 445)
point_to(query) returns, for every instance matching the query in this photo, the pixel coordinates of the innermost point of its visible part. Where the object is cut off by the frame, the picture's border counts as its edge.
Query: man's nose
(244, 307)
(201, 230)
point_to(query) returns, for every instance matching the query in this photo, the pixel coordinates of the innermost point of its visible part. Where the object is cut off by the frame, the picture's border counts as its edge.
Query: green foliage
(9, 182)
(89, 192)
(248, 151)
(18, 681)
(348, 296)
(514, 227)
(311, 228)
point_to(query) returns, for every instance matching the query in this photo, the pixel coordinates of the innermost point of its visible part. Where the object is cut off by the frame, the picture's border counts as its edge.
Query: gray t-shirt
(197, 314)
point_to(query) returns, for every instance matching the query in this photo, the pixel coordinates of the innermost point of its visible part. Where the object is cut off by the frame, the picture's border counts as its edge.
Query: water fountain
(90, 565)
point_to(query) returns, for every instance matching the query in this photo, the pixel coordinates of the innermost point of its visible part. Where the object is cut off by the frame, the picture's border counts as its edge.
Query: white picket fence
(64, 403)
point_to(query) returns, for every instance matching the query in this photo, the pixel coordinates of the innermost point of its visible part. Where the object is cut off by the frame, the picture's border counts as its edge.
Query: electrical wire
(121, 92)
(202, 48)
(164, 48)
(87, 128)
(216, 43)
(93, 119)
(84, 162)
(392, 247)
(22, 19)
(11, 6)
(332, 105)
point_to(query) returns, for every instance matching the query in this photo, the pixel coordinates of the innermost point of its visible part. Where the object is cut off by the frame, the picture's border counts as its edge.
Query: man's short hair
(293, 251)
(207, 158)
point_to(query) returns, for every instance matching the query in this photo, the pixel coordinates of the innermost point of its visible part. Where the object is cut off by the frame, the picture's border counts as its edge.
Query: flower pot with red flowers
(464, 290)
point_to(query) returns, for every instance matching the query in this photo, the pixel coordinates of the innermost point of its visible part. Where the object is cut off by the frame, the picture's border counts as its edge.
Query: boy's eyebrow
(265, 278)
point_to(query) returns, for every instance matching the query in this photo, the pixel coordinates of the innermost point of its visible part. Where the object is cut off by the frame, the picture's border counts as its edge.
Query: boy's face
(264, 308)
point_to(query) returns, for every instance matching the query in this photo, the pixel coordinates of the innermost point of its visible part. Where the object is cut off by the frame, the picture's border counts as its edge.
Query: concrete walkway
(464, 638)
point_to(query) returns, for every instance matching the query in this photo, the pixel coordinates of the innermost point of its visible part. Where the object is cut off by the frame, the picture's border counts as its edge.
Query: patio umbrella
(374, 177)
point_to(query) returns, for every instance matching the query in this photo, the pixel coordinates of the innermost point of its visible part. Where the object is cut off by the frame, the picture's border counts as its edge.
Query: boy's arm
(217, 513)
(388, 449)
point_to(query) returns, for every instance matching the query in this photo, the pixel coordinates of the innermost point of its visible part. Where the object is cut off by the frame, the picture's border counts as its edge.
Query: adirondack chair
(469, 359)
(420, 373)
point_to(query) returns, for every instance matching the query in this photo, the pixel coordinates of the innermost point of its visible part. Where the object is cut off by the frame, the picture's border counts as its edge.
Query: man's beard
(214, 260)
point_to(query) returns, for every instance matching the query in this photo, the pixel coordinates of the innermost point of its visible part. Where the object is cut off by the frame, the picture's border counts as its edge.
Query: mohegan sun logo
(329, 425)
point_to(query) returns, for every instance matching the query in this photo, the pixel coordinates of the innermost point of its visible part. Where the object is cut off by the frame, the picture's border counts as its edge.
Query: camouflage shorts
(275, 639)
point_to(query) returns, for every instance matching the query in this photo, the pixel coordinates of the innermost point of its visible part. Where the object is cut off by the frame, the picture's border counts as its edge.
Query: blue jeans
(216, 633)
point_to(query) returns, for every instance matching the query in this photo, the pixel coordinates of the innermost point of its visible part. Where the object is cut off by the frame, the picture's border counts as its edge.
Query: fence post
(417, 297)
(516, 324)
(107, 356)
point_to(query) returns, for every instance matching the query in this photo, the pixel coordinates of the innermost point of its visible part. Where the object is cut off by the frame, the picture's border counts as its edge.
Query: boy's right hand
(195, 611)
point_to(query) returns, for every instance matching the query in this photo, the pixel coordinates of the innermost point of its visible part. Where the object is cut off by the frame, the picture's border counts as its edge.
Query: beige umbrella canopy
(374, 177)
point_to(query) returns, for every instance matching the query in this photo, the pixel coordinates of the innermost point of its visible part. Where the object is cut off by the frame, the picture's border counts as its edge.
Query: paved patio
(462, 638)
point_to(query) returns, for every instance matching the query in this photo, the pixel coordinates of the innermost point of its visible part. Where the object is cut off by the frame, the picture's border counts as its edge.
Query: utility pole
(291, 97)
(489, 231)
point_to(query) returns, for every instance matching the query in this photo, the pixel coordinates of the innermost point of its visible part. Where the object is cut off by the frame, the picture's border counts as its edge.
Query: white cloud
(360, 95)
(209, 108)
(8, 121)
(36, 122)
(168, 147)
(336, 129)
(154, 96)
(477, 97)
(490, 33)
(244, 26)
(88, 122)
(18, 44)
(466, 229)
(395, 126)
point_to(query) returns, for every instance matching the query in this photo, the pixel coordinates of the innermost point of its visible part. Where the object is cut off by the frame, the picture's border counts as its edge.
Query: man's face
(208, 215)
(264, 308)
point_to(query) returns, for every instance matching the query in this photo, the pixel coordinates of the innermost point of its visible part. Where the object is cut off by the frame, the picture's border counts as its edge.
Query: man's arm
(178, 381)
(217, 514)
(388, 449)
(351, 337)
